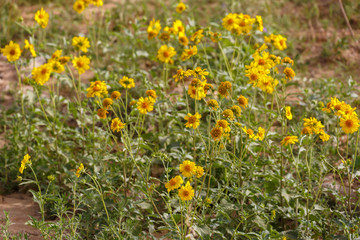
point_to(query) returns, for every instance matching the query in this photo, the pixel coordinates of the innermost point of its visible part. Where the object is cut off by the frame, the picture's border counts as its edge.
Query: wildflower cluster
(188, 169)
(80, 5)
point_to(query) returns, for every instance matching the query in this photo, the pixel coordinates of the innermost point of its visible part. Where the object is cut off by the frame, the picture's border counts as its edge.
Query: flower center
(12, 52)
(80, 64)
(242, 24)
(261, 62)
(145, 105)
(186, 193)
(166, 54)
(187, 168)
(230, 21)
(192, 120)
(253, 77)
(349, 123)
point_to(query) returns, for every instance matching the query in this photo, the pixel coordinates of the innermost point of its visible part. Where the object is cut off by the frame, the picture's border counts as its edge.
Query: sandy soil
(20, 206)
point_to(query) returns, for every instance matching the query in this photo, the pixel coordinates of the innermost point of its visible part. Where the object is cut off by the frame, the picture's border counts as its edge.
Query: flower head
(26, 161)
(249, 132)
(30, 47)
(289, 140)
(107, 102)
(81, 63)
(213, 104)
(199, 171)
(288, 112)
(115, 95)
(97, 88)
(81, 43)
(165, 54)
(117, 125)
(243, 101)
(41, 74)
(236, 110)
(289, 73)
(127, 82)
(145, 105)
(227, 113)
(188, 168)
(42, 18)
(79, 6)
(180, 7)
(79, 170)
(188, 53)
(193, 121)
(174, 183)
(224, 125)
(153, 29)
(102, 113)
(216, 133)
(349, 123)
(151, 93)
(261, 134)
(11, 51)
(186, 192)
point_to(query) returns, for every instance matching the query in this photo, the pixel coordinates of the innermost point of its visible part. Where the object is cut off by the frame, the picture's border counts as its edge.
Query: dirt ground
(20, 206)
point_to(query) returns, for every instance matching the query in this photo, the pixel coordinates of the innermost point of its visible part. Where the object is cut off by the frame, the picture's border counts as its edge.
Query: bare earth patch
(20, 206)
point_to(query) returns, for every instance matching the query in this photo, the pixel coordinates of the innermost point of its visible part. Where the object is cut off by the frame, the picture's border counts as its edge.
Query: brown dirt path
(20, 206)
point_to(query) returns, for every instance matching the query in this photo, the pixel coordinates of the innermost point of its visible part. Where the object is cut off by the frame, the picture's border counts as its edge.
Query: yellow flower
(243, 101)
(11, 51)
(178, 27)
(107, 102)
(249, 132)
(79, 170)
(197, 93)
(183, 39)
(260, 23)
(277, 40)
(197, 36)
(30, 47)
(227, 113)
(165, 53)
(26, 161)
(153, 28)
(56, 66)
(79, 6)
(174, 183)
(213, 104)
(289, 140)
(117, 125)
(349, 123)
(224, 125)
(81, 63)
(56, 55)
(199, 171)
(180, 7)
(223, 91)
(188, 168)
(64, 60)
(230, 22)
(193, 121)
(41, 74)
(289, 73)
(288, 112)
(306, 131)
(98, 3)
(287, 60)
(42, 18)
(188, 53)
(115, 95)
(186, 192)
(215, 37)
(261, 134)
(324, 136)
(236, 110)
(133, 102)
(102, 113)
(313, 124)
(81, 43)
(127, 82)
(145, 105)
(216, 133)
(151, 93)
(97, 88)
